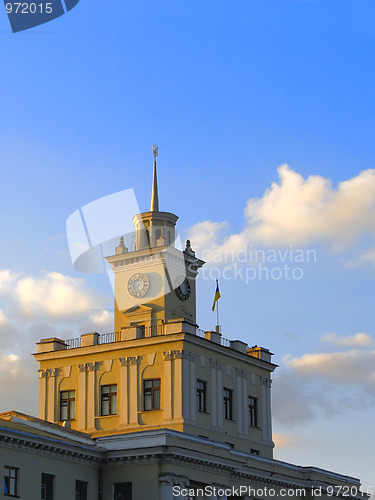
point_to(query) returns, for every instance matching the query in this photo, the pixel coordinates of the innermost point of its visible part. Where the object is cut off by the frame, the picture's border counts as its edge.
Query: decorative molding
(240, 373)
(181, 354)
(124, 361)
(64, 453)
(178, 354)
(168, 478)
(183, 481)
(131, 360)
(134, 360)
(151, 358)
(108, 364)
(266, 382)
(87, 367)
(67, 371)
(50, 372)
(215, 364)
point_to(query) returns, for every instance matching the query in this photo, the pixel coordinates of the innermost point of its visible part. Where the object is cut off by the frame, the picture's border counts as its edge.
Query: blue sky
(229, 93)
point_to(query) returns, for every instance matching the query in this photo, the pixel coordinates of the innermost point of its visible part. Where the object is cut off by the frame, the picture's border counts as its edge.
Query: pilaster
(168, 399)
(43, 394)
(123, 393)
(240, 374)
(266, 408)
(51, 394)
(91, 395)
(134, 397)
(245, 398)
(216, 394)
(178, 356)
(193, 388)
(82, 396)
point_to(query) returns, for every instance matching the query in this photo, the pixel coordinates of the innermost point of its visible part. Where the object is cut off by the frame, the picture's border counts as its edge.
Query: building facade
(159, 409)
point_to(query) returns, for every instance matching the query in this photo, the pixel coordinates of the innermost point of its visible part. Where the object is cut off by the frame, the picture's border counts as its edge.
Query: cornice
(48, 446)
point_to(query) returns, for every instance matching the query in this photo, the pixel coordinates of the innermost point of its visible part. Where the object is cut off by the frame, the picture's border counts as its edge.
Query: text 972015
(28, 8)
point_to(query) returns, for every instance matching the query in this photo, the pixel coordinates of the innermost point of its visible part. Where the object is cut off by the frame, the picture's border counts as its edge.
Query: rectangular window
(253, 412)
(108, 400)
(122, 491)
(202, 396)
(81, 490)
(11, 481)
(67, 405)
(151, 391)
(47, 487)
(228, 404)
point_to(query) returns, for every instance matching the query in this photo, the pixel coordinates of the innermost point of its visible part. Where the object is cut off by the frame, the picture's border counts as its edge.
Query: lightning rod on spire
(155, 195)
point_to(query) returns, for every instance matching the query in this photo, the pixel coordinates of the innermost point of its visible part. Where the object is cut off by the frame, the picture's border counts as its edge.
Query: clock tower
(155, 281)
(157, 371)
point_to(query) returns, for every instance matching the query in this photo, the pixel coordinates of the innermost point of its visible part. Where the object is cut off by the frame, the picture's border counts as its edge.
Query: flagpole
(217, 316)
(217, 311)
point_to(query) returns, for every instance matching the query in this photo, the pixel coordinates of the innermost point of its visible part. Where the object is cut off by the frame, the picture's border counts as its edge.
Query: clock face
(183, 290)
(138, 285)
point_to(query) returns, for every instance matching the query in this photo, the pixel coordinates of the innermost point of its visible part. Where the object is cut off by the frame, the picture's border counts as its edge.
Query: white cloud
(205, 235)
(9, 363)
(102, 317)
(3, 319)
(56, 295)
(7, 278)
(300, 212)
(354, 367)
(365, 257)
(303, 211)
(357, 340)
(18, 383)
(286, 440)
(325, 383)
(35, 307)
(292, 403)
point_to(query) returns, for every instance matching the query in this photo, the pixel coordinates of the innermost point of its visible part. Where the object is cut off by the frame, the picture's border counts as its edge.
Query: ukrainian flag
(217, 295)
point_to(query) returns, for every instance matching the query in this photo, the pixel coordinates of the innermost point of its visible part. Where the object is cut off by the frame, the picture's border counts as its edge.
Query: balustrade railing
(149, 331)
(107, 338)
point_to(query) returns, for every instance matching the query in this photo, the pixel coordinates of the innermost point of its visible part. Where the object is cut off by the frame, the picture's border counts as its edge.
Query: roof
(27, 424)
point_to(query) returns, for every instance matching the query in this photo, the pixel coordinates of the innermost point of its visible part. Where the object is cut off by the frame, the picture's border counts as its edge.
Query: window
(47, 487)
(151, 394)
(147, 239)
(202, 396)
(81, 490)
(228, 404)
(67, 405)
(11, 481)
(253, 411)
(108, 405)
(122, 491)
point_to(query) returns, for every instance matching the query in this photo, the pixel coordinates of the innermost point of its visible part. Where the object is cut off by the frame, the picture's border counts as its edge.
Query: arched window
(147, 238)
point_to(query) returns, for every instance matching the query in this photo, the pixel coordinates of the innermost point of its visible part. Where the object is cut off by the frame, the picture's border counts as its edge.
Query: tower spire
(155, 195)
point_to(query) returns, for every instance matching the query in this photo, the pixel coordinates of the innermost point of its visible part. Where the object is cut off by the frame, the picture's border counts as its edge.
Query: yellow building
(159, 409)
